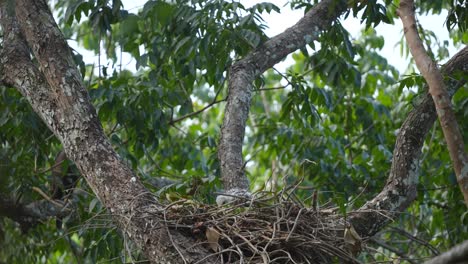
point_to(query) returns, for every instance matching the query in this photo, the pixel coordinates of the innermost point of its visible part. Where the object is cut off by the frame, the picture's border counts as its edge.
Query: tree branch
(434, 79)
(398, 252)
(242, 74)
(401, 187)
(29, 215)
(456, 255)
(214, 102)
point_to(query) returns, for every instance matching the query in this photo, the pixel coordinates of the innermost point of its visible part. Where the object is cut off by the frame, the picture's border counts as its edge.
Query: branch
(29, 215)
(363, 133)
(214, 102)
(271, 88)
(398, 252)
(401, 187)
(416, 239)
(457, 254)
(244, 72)
(434, 79)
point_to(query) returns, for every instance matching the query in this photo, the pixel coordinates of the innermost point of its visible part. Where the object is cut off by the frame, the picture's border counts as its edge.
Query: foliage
(332, 124)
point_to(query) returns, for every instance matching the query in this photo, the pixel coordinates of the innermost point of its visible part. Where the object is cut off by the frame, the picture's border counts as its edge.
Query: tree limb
(401, 187)
(243, 73)
(29, 215)
(442, 101)
(456, 255)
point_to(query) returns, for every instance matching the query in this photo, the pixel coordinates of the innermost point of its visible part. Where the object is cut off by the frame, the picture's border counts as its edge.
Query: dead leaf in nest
(212, 235)
(352, 240)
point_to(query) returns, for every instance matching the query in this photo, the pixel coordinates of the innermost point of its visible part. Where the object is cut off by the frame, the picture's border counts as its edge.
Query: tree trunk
(56, 92)
(243, 73)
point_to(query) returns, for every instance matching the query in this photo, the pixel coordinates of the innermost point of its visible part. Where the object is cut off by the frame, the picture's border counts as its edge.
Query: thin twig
(272, 88)
(434, 250)
(214, 102)
(45, 196)
(172, 122)
(360, 136)
(51, 167)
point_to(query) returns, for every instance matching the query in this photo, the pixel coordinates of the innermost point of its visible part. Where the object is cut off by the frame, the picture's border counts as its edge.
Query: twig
(434, 250)
(172, 122)
(271, 88)
(295, 224)
(169, 232)
(360, 136)
(51, 167)
(214, 102)
(45, 196)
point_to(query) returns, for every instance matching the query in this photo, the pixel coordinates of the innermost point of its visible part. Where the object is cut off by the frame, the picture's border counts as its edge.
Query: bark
(401, 187)
(244, 72)
(56, 92)
(456, 255)
(434, 79)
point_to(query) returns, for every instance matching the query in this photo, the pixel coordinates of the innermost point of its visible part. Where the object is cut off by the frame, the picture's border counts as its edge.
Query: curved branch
(401, 187)
(243, 73)
(57, 94)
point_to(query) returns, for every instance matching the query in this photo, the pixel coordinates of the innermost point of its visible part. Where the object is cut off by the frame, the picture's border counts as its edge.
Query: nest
(267, 230)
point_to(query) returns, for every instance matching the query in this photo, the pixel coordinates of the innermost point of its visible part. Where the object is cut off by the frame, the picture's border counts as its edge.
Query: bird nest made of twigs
(270, 229)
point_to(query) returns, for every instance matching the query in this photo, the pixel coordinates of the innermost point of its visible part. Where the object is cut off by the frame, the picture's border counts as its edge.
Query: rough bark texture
(434, 79)
(56, 92)
(401, 187)
(243, 73)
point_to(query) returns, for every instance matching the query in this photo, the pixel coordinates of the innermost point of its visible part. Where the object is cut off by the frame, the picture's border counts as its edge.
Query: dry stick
(239, 251)
(39, 191)
(169, 232)
(438, 91)
(295, 224)
(254, 249)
